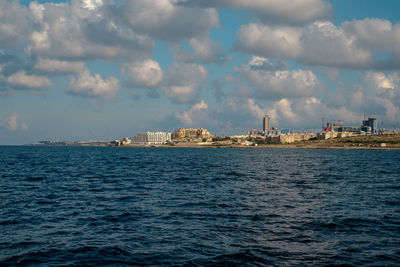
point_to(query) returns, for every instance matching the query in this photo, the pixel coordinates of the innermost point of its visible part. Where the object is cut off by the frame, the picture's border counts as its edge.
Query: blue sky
(103, 69)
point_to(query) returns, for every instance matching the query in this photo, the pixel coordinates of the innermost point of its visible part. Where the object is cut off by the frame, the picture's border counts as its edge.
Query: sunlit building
(148, 138)
(266, 123)
(191, 133)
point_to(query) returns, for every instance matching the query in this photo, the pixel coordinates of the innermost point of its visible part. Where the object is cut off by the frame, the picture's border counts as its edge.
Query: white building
(149, 138)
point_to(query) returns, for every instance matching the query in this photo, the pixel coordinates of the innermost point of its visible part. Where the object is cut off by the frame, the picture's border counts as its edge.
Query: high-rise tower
(266, 124)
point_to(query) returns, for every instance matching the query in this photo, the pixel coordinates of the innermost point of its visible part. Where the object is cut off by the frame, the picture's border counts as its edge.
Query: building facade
(191, 133)
(148, 138)
(266, 123)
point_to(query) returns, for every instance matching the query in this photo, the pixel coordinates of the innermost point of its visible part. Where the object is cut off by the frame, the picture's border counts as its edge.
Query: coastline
(269, 146)
(377, 142)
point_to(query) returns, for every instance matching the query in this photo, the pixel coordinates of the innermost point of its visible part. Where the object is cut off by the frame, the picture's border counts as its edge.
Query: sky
(103, 69)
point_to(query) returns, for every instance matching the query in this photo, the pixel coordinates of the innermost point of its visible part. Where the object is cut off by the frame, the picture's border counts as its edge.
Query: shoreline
(274, 146)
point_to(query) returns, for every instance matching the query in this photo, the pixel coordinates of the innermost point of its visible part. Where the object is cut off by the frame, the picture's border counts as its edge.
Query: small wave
(234, 173)
(9, 222)
(246, 258)
(118, 218)
(44, 202)
(34, 179)
(78, 256)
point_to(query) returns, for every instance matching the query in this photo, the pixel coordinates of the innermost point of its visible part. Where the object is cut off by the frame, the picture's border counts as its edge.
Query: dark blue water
(176, 206)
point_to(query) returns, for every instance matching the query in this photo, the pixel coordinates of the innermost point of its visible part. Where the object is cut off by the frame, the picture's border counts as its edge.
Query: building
(191, 133)
(371, 122)
(126, 141)
(255, 133)
(266, 123)
(290, 138)
(148, 138)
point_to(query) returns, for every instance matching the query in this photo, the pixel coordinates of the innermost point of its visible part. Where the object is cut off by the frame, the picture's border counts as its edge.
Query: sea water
(185, 206)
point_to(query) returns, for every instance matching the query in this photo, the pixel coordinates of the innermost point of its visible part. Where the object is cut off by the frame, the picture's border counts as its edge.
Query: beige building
(290, 138)
(332, 134)
(191, 133)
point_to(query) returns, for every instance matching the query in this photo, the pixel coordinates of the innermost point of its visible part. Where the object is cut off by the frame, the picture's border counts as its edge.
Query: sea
(107, 206)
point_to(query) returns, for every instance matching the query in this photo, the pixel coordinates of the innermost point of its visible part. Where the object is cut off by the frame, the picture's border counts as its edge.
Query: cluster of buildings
(369, 126)
(145, 138)
(268, 129)
(158, 138)
(191, 133)
(268, 134)
(274, 135)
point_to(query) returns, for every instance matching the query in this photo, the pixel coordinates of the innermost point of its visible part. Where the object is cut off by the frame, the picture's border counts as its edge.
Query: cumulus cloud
(262, 63)
(82, 30)
(21, 80)
(229, 79)
(353, 44)
(14, 26)
(277, 12)
(255, 109)
(373, 33)
(281, 83)
(196, 112)
(383, 85)
(182, 81)
(146, 73)
(205, 51)
(381, 95)
(307, 112)
(270, 41)
(93, 86)
(11, 123)
(320, 43)
(164, 20)
(58, 66)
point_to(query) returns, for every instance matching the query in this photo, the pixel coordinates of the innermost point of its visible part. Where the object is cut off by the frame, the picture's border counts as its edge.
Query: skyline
(93, 69)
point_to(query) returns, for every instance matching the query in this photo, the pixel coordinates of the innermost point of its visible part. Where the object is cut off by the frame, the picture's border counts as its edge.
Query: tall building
(266, 124)
(371, 122)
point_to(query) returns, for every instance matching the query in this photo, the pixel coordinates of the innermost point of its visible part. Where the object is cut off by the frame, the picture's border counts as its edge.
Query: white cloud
(23, 80)
(14, 26)
(195, 113)
(93, 86)
(255, 109)
(92, 4)
(270, 41)
(146, 73)
(320, 43)
(277, 84)
(59, 66)
(83, 30)
(12, 124)
(165, 20)
(326, 44)
(262, 63)
(357, 44)
(381, 95)
(374, 33)
(271, 11)
(307, 112)
(229, 79)
(181, 94)
(182, 81)
(205, 51)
